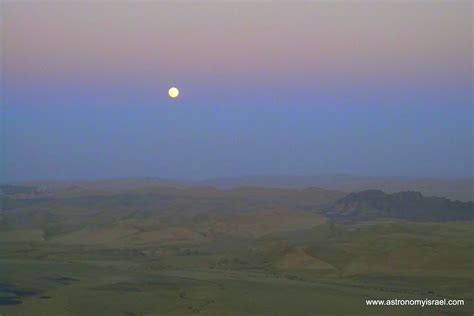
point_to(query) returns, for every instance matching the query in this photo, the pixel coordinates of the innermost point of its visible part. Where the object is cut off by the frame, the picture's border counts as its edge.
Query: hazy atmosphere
(237, 158)
(304, 88)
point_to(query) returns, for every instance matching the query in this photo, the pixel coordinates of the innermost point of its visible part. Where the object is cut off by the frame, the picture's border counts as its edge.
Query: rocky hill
(410, 205)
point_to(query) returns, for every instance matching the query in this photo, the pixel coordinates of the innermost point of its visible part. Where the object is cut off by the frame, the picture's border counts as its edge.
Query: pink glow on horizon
(267, 41)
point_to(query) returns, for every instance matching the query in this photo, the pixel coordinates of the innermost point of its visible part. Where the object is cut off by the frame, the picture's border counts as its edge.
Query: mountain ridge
(409, 205)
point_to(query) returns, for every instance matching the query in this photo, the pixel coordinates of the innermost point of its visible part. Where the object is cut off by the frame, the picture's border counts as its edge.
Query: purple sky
(289, 87)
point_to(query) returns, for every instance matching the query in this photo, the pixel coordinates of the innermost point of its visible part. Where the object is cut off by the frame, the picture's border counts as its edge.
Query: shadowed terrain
(456, 189)
(120, 249)
(375, 204)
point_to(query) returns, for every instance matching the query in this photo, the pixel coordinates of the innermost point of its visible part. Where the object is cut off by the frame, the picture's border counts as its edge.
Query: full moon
(173, 92)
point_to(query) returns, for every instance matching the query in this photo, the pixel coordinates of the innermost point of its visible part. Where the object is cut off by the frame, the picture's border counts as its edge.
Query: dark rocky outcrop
(374, 204)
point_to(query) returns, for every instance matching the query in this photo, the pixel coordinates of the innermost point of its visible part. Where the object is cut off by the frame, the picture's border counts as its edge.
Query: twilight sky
(381, 88)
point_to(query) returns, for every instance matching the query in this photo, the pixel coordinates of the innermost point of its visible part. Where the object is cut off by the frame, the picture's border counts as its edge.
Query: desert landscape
(236, 158)
(141, 247)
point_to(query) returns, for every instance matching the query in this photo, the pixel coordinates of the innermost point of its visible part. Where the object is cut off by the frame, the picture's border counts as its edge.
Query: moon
(173, 92)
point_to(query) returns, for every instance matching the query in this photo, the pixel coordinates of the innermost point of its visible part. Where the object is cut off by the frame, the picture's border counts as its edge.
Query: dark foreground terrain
(164, 250)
